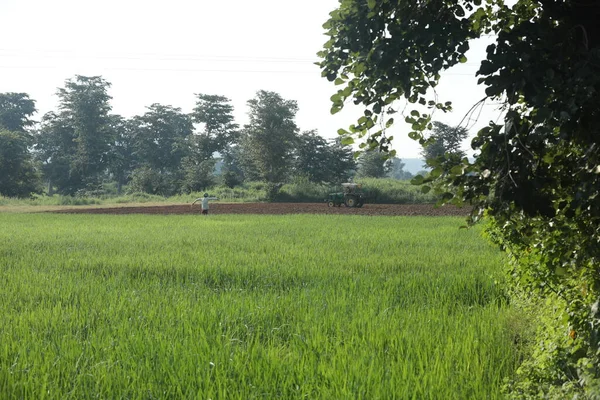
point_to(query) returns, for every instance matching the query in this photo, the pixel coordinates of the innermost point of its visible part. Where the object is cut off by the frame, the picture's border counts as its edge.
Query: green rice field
(246, 307)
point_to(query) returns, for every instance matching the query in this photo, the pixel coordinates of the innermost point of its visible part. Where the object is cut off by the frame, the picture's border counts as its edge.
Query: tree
(373, 164)
(161, 140)
(445, 141)
(270, 137)
(397, 170)
(121, 159)
(85, 105)
(232, 172)
(215, 113)
(197, 175)
(342, 164)
(537, 175)
(55, 147)
(321, 160)
(18, 175)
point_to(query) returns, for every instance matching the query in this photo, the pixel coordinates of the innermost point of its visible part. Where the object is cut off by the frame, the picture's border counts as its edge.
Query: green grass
(322, 307)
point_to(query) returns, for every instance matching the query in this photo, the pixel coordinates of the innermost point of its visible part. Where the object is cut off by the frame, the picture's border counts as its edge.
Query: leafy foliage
(121, 157)
(373, 164)
(160, 137)
(54, 147)
(84, 102)
(18, 175)
(537, 175)
(322, 160)
(215, 113)
(443, 141)
(16, 110)
(270, 137)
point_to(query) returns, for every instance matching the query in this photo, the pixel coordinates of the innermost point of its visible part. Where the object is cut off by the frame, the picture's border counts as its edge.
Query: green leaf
(417, 180)
(389, 123)
(436, 172)
(415, 135)
(462, 59)
(347, 141)
(457, 170)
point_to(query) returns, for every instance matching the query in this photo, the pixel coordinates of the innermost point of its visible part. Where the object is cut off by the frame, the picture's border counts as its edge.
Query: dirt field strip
(279, 209)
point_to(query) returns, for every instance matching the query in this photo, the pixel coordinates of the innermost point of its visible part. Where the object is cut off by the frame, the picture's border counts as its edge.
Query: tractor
(352, 196)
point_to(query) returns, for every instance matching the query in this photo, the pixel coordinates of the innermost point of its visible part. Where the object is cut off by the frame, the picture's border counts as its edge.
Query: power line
(168, 69)
(153, 56)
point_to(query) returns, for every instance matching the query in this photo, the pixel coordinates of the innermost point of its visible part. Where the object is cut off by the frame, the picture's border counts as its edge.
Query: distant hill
(413, 165)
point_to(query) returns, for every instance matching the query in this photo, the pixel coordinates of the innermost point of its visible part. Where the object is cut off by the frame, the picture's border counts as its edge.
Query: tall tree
(397, 170)
(537, 175)
(121, 159)
(85, 106)
(18, 174)
(373, 164)
(55, 147)
(445, 140)
(342, 163)
(270, 137)
(322, 160)
(161, 139)
(219, 131)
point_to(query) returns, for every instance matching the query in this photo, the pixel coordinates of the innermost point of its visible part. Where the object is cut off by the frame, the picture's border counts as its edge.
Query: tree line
(82, 147)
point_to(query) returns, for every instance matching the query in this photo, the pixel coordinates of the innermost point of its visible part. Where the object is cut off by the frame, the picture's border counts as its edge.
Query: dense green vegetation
(246, 307)
(299, 190)
(84, 150)
(537, 172)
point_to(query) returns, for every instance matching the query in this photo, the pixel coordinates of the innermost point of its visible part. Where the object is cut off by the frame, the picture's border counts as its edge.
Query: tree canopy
(16, 110)
(536, 175)
(445, 140)
(270, 137)
(322, 160)
(373, 164)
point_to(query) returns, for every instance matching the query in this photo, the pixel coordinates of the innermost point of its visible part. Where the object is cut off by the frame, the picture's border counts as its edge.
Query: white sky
(165, 51)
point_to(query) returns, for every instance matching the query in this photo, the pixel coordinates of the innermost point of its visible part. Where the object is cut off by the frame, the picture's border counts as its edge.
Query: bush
(148, 180)
(393, 191)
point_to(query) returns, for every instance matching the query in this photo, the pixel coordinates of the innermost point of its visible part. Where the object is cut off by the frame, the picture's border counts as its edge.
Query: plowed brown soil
(280, 208)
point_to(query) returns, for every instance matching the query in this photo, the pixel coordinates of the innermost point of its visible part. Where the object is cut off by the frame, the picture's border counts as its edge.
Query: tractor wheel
(351, 201)
(360, 203)
(330, 204)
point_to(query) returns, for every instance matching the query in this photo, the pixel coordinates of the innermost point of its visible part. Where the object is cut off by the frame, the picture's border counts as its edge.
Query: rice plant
(297, 306)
